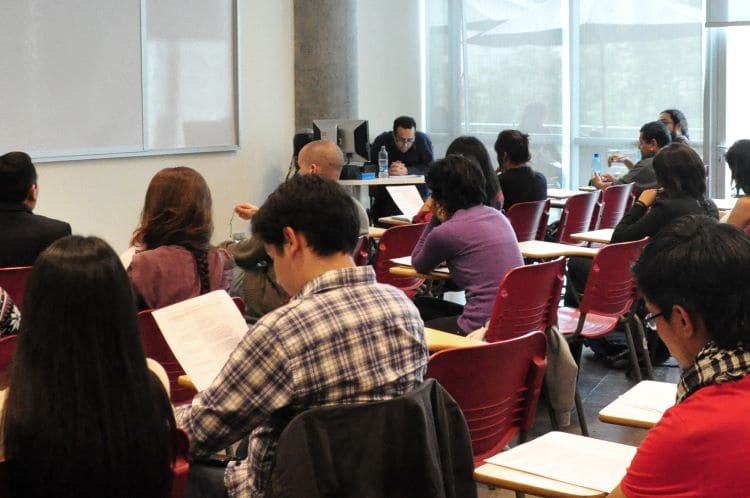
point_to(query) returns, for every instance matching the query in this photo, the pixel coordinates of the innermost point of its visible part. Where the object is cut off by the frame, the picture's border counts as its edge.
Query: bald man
(323, 158)
(254, 278)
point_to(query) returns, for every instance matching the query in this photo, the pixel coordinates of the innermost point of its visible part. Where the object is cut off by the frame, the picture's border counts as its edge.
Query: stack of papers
(406, 261)
(570, 458)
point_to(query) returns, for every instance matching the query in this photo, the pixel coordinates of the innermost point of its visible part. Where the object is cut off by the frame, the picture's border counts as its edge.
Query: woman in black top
(518, 181)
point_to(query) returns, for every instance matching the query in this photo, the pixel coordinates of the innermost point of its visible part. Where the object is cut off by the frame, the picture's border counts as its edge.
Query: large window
(580, 76)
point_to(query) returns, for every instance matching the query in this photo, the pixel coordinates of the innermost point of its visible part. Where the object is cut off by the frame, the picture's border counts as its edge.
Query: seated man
(254, 278)
(409, 153)
(653, 136)
(23, 234)
(694, 276)
(342, 338)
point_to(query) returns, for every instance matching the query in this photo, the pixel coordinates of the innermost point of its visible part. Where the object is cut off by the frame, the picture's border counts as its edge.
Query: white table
(559, 193)
(395, 220)
(361, 194)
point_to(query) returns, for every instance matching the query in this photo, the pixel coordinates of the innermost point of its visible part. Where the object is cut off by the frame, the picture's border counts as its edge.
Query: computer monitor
(351, 135)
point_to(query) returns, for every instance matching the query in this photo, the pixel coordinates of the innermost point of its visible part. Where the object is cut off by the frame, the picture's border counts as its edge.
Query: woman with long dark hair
(84, 416)
(174, 259)
(738, 160)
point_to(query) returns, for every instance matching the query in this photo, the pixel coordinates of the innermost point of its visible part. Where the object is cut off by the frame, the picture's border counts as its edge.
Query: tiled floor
(599, 386)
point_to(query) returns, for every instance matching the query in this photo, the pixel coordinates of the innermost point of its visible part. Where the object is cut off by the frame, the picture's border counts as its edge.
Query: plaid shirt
(343, 338)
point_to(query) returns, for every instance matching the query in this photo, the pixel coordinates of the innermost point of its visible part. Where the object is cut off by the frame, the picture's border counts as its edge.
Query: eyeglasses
(404, 140)
(650, 319)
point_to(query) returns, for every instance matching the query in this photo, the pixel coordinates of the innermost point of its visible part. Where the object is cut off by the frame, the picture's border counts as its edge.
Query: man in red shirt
(695, 277)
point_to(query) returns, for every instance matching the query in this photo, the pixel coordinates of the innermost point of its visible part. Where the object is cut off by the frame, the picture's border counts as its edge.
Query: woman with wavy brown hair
(174, 259)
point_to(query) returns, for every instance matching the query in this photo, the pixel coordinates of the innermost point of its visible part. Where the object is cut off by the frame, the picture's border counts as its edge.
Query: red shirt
(700, 448)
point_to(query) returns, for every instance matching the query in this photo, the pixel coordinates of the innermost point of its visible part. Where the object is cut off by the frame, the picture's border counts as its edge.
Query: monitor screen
(351, 135)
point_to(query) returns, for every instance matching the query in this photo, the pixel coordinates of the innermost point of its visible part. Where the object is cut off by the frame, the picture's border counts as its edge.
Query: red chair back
(13, 280)
(181, 465)
(525, 218)
(610, 288)
(361, 253)
(614, 204)
(576, 216)
(397, 242)
(527, 300)
(497, 386)
(542, 231)
(156, 347)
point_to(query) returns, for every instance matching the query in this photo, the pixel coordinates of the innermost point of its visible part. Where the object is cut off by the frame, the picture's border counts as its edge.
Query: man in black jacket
(23, 234)
(409, 153)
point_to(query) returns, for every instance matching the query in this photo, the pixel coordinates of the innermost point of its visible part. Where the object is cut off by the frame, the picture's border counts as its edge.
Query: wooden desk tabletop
(410, 272)
(545, 250)
(394, 220)
(642, 406)
(559, 193)
(525, 482)
(185, 381)
(438, 340)
(391, 180)
(376, 232)
(603, 236)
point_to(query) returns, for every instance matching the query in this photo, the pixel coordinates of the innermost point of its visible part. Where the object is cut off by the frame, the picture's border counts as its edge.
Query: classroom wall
(104, 197)
(389, 62)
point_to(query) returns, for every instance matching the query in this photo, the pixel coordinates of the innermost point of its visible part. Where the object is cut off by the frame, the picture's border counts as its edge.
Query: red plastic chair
(525, 218)
(156, 347)
(13, 280)
(181, 465)
(497, 386)
(527, 300)
(607, 301)
(361, 253)
(397, 242)
(576, 216)
(613, 206)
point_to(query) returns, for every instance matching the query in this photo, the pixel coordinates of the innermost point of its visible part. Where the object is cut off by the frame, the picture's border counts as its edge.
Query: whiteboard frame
(88, 154)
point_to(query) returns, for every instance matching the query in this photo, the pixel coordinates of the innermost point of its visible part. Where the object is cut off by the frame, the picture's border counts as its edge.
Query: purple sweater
(480, 247)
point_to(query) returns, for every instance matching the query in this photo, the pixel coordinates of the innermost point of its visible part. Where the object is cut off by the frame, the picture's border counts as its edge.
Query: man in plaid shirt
(342, 338)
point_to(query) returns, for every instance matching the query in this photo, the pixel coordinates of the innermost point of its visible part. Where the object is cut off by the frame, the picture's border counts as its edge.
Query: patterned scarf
(713, 366)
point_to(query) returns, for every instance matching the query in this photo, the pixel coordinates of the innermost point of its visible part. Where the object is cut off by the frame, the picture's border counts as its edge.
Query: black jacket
(23, 234)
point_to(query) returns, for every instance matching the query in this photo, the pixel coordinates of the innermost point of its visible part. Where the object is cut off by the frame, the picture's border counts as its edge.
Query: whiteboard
(103, 78)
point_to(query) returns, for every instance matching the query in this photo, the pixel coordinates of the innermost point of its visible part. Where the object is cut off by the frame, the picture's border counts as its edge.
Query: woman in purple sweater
(476, 242)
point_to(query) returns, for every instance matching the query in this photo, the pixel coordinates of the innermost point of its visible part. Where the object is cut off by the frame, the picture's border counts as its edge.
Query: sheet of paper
(407, 199)
(406, 261)
(202, 332)
(570, 458)
(651, 395)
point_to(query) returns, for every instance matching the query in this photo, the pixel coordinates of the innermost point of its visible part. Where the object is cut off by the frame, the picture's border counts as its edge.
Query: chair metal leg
(633, 352)
(581, 415)
(644, 344)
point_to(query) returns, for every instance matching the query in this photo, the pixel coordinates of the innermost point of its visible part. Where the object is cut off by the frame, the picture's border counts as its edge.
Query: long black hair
(84, 416)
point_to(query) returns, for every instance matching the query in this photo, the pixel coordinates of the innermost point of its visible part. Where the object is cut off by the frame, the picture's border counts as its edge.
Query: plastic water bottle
(383, 162)
(596, 165)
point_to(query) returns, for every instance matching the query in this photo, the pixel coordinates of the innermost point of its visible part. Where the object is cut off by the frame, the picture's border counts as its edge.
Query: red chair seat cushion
(594, 326)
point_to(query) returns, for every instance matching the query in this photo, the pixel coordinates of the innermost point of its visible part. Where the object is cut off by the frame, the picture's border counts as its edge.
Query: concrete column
(325, 60)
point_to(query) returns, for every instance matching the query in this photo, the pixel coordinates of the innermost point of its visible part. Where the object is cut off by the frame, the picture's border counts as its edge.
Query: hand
(398, 169)
(245, 210)
(601, 182)
(619, 158)
(648, 197)
(428, 204)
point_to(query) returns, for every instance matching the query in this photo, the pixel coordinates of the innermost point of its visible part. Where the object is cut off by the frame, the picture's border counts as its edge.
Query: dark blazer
(414, 445)
(24, 235)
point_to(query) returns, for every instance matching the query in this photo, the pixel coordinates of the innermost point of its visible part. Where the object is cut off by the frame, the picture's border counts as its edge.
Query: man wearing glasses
(694, 277)
(409, 153)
